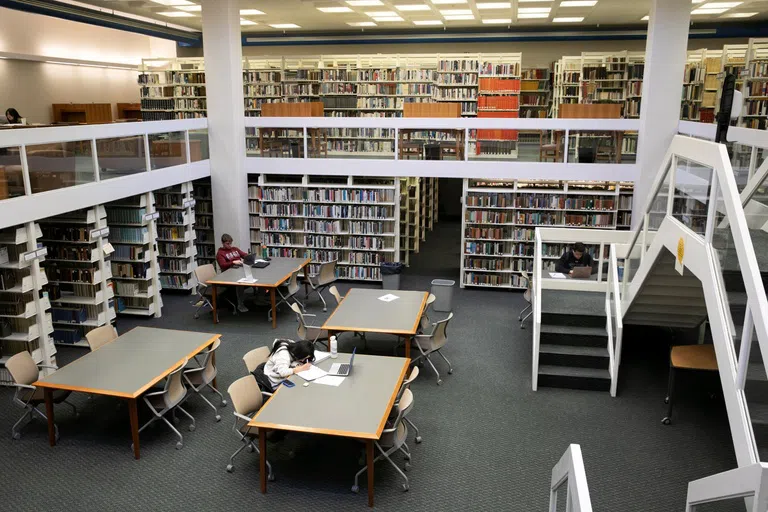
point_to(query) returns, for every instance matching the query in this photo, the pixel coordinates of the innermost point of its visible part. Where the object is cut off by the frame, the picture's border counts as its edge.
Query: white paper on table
(313, 373)
(247, 280)
(330, 380)
(388, 297)
(557, 275)
(321, 356)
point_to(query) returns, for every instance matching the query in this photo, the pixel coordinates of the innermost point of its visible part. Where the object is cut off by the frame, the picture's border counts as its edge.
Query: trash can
(442, 289)
(390, 275)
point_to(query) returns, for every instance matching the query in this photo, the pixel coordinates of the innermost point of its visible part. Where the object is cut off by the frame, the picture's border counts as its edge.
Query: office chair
(246, 399)
(393, 439)
(405, 401)
(433, 343)
(687, 357)
(308, 332)
(203, 273)
(528, 296)
(336, 295)
(167, 400)
(100, 336)
(322, 280)
(288, 291)
(24, 372)
(255, 357)
(202, 377)
(424, 323)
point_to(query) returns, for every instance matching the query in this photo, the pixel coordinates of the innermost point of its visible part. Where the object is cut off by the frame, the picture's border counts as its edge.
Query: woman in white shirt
(286, 358)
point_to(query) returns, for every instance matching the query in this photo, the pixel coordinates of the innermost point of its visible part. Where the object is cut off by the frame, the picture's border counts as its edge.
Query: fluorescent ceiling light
(173, 3)
(440, 2)
(284, 25)
(739, 15)
(455, 12)
(413, 7)
(645, 18)
(388, 18)
(698, 1)
(177, 14)
(722, 5)
(531, 1)
(704, 10)
(572, 19)
(532, 15)
(334, 9)
(460, 17)
(534, 9)
(363, 3)
(382, 14)
(250, 12)
(578, 3)
(428, 22)
(190, 8)
(497, 21)
(244, 21)
(361, 24)
(494, 5)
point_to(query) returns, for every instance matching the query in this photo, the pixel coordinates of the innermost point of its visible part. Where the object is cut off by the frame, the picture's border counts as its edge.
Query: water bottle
(334, 348)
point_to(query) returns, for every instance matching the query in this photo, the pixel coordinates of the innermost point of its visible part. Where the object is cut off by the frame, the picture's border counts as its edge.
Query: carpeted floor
(489, 441)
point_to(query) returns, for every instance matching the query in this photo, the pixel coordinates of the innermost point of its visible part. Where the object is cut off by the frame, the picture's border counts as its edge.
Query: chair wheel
(192, 428)
(407, 456)
(218, 417)
(450, 372)
(230, 468)
(179, 445)
(666, 421)
(271, 478)
(355, 489)
(439, 382)
(251, 449)
(325, 310)
(197, 316)
(405, 487)
(131, 446)
(666, 400)
(522, 326)
(407, 466)
(17, 436)
(223, 403)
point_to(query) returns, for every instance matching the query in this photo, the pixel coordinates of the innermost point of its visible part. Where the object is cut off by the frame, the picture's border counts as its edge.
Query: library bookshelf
(499, 219)
(350, 220)
(176, 237)
(754, 113)
(205, 239)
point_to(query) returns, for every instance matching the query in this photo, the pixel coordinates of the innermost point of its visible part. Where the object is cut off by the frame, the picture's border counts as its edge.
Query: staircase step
(758, 412)
(661, 291)
(574, 356)
(572, 350)
(567, 371)
(575, 378)
(576, 320)
(574, 330)
(574, 335)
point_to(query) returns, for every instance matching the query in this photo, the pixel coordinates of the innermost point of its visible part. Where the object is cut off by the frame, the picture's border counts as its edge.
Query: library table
(125, 368)
(363, 311)
(277, 273)
(357, 408)
(405, 138)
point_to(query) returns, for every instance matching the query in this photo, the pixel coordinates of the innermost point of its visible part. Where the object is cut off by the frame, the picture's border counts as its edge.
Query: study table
(362, 310)
(357, 408)
(278, 272)
(125, 368)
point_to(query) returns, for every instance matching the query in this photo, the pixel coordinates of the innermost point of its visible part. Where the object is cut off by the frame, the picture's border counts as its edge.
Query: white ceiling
(306, 15)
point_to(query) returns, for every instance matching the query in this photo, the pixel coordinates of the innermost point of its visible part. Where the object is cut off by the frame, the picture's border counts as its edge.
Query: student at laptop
(227, 257)
(576, 257)
(286, 358)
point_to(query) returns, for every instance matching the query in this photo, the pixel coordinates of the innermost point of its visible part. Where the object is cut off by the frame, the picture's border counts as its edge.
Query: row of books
(382, 102)
(369, 258)
(263, 90)
(468, 65)
(299, 89)
(505, 85)
(756, 108)
(457, 79)
(172, 264)
(489, 68)
(499, 102)
(56, 272)
(189, 90)
(128, 252)
(361, 146)
(174, 282)
(499, 280)
(189, 78)
(423, 89)
(338, 88)
(535, 74)
(172, 248)
(261, 76)
(534, 100)
(500, 233)
(360, 273)
(131, 288)
(629, 144)
(636, 71)
(127, 234)
(132, 270)
(758, 69)
(175, 233)
(632, 108)
(63, 252)
(154, 104)
(600, 73)
(757, 89)
(171, 217)
(634, 88)
(156, 78)
(571, 77)
(191, 104)
(694, 72)
(302, 74)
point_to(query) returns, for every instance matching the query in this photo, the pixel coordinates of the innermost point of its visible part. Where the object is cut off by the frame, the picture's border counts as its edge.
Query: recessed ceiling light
(739, 15)
(428, 22)
(722, 5)
(363, 3)
(494, 5)
(388, 18)
(578, 3)
(334, 9)
(381, 14)
(284, 25)
(455, 12)
(459, 17)
(244, 21)
(532, 15)
(534, 9)
(412, 7)
(190, 8)
(571, 19)
(645, 18)
(361, 24)
(440, 2)
(250, 12)
(173, 3)
(177, 14)
(497, 21)
(704, 10)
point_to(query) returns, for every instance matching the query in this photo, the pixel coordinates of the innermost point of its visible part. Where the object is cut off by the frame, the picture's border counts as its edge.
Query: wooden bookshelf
(82, 113)
(129, 111)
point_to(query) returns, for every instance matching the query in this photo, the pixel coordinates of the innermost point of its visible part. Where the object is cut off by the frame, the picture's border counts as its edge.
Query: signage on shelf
(42, 252)
(29, 256)
(190, 203)
(151, 216)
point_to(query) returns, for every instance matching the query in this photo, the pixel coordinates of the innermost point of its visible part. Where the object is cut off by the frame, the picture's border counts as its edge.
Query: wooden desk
(362, 311)
(125, 368)
(277, 273)
(358, 408)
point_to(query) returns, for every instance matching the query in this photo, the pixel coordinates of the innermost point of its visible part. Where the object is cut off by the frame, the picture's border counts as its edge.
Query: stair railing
(614, 324)
(569, 478)
(748, 485)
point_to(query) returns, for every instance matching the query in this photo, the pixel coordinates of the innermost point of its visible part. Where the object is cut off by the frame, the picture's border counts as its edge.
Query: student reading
(229, 256)
(577, 256)
(286, 358)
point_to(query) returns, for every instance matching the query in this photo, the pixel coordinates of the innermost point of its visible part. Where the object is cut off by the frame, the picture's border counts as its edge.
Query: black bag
(264, 383)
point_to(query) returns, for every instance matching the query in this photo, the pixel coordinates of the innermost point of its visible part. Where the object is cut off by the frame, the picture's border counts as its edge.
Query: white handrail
(569, 470)
(749, 482)
(613, 286)
(537, 276)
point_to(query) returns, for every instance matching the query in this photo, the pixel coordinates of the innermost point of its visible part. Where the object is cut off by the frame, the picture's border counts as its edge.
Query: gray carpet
(489, 441)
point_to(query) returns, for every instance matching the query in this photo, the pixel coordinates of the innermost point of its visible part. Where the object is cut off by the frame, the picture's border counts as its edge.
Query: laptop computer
(343, 369)
(581, 272)
(255, 262)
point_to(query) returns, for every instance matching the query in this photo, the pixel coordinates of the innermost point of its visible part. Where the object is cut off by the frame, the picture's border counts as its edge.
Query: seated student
(286, 358)
(227, 257)
(576, 257)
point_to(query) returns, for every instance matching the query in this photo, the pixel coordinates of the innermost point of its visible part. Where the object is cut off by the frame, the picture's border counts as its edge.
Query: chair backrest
(327, 273)
(302, 329)
(336, 295)
(246, 395)
(293, 283)
(175, 390)
(406, 401)
(440, 335)
(205, 272)
(22, 368)
(430, 300)
(209, 369)
(407, 383)
(255, 357)
(100, 336)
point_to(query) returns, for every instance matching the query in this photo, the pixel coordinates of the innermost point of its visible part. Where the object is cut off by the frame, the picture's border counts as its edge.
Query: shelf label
(105, 231)
(190, 203)
(29, 256)
(95, 233)
(151, 216)
(42, 252)
(744, 73)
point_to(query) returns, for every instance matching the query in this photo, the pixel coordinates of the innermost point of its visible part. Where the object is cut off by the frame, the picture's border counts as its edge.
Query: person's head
(226, 241)
(578, 250)
(13, 116)
(302, 351)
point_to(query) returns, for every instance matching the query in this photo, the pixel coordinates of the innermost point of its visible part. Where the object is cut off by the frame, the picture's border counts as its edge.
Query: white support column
(665, 57)
(226, 120)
